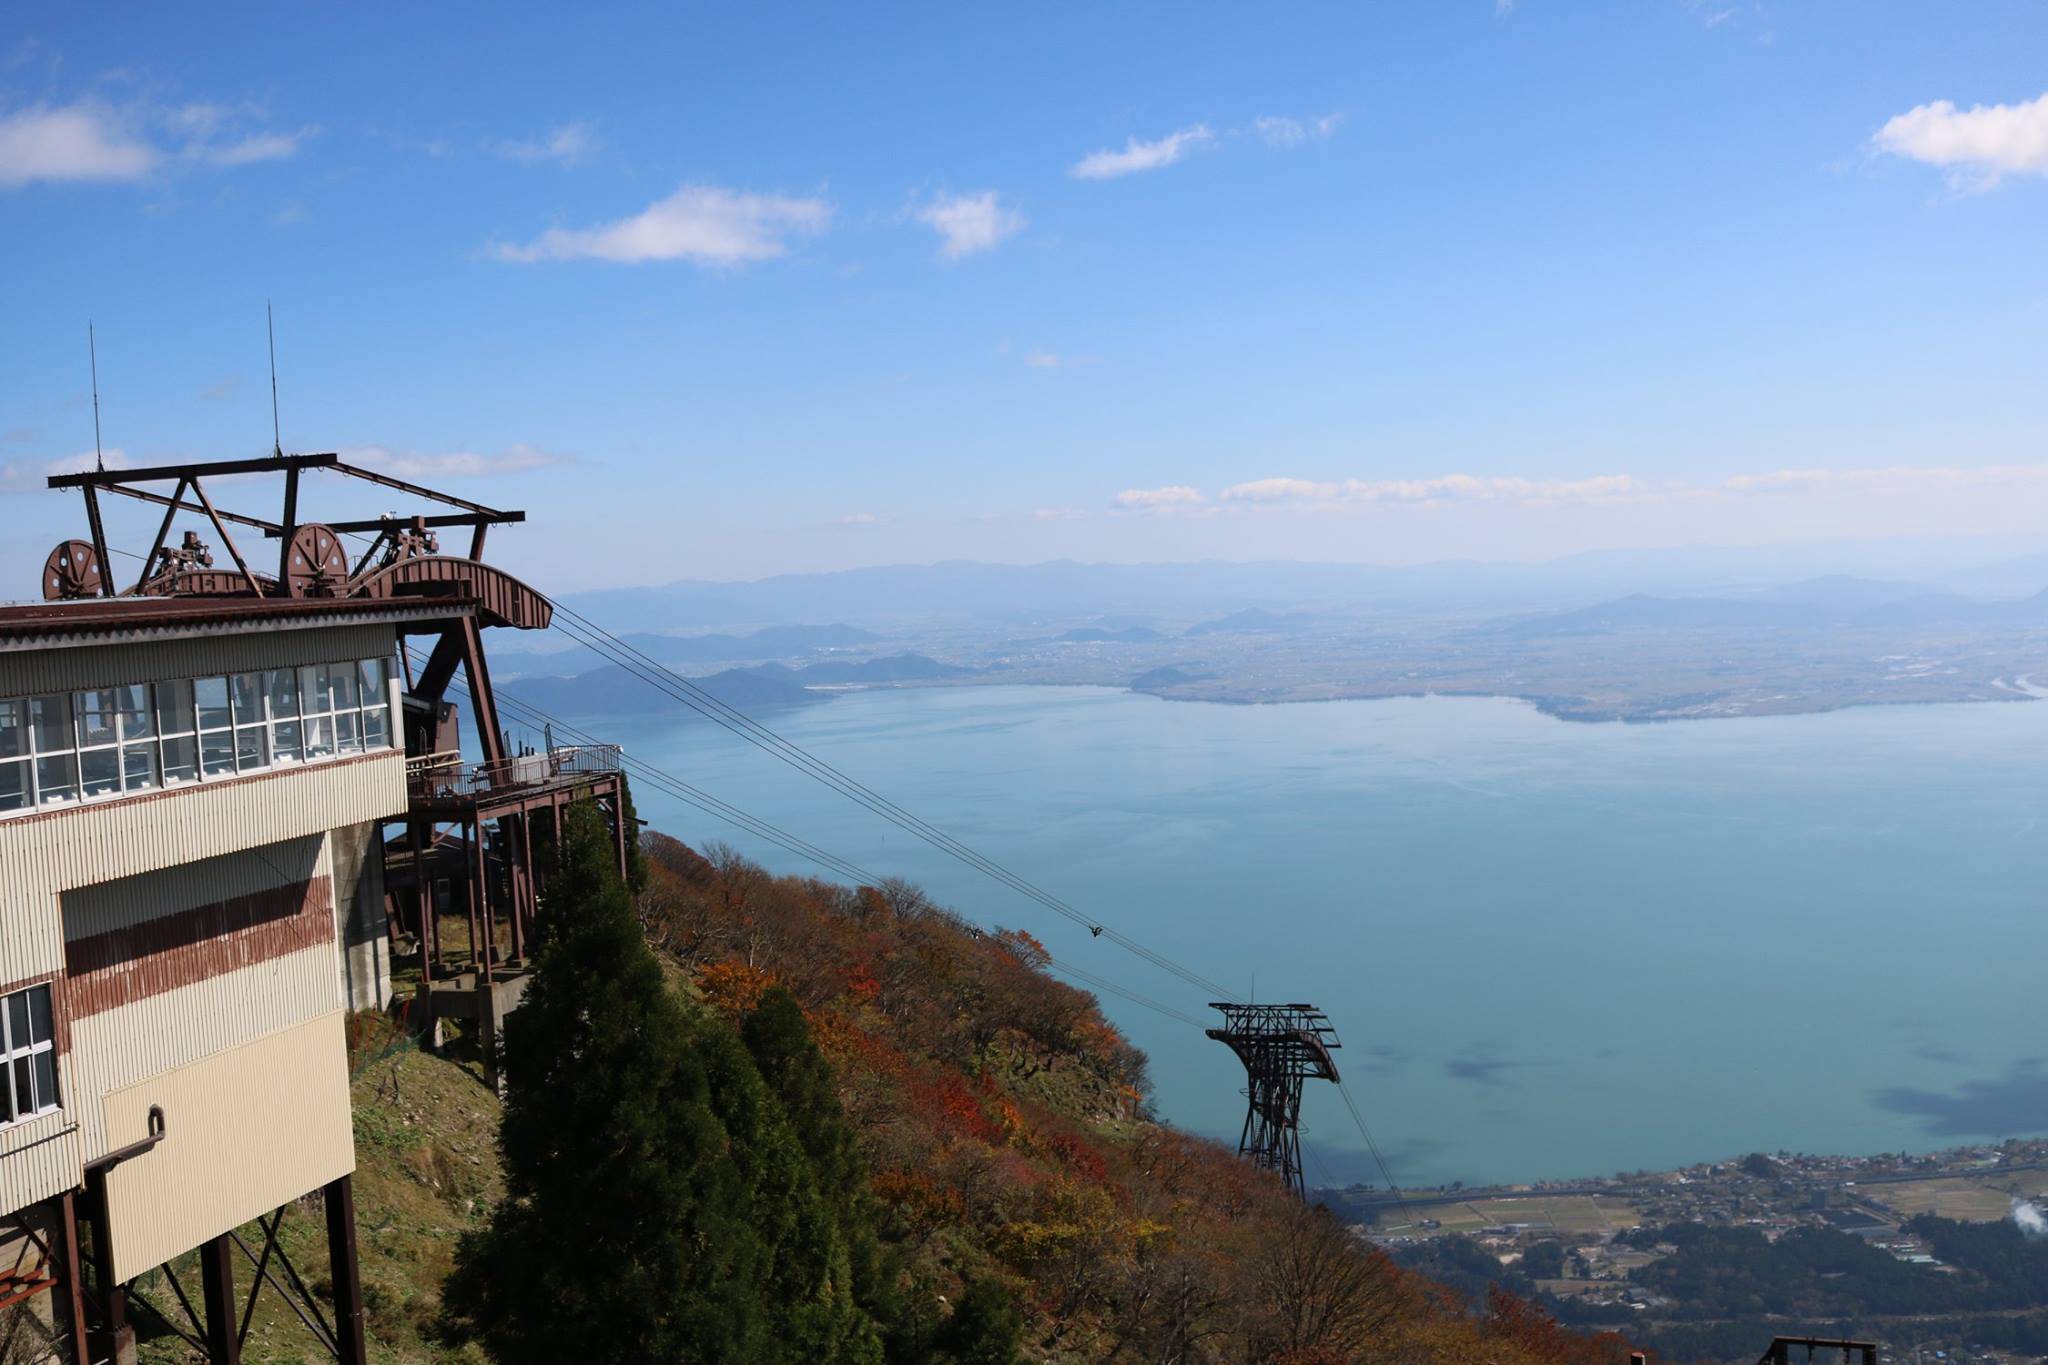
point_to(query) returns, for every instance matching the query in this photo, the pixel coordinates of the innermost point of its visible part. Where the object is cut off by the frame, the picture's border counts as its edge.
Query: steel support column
(217, 1280)
(345, 1272)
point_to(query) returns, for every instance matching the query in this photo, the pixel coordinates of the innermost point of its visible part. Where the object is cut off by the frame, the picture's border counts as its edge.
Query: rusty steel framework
(466, 847)
(1281, 1046)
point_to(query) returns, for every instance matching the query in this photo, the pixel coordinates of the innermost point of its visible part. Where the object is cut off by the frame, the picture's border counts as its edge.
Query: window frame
(14, 1052)
(162, 745)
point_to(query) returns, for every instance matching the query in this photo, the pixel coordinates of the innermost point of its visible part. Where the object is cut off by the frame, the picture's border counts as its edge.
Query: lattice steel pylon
(1281, 1046)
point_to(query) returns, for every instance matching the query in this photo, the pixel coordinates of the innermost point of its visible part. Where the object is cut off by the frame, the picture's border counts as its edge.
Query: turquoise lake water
(1551, 949)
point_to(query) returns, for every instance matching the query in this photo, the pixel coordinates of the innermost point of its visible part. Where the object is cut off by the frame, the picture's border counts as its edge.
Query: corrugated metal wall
(188, 838)
(72, 670)
(246, 1130)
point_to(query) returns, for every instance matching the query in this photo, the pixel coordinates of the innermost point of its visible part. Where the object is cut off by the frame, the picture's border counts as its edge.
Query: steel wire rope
(702, 800)
(659, 676)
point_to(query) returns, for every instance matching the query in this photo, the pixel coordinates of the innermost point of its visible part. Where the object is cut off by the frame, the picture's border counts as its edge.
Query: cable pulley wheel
(317, 564)
(71, 571)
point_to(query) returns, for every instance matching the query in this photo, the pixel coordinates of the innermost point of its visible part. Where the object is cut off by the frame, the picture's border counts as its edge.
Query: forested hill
(1015, 1196)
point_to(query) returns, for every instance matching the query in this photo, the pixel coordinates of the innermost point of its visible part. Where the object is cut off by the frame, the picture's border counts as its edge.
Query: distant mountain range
(1109, 597)
(1813, 604)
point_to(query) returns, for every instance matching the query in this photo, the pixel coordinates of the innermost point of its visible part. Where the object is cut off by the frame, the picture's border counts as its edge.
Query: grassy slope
(1002, 1119)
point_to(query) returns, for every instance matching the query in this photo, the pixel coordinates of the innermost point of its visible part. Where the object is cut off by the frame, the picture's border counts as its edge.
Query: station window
(28, 1056)
(83, 746)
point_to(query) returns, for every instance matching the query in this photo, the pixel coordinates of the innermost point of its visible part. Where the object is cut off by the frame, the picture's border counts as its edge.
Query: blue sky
(735, 290)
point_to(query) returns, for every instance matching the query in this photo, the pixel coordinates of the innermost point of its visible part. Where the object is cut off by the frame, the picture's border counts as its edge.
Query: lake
(1551, 949)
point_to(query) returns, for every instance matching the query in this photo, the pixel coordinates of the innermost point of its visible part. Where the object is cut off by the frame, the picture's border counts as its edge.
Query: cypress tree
(985, 1328)
(779, 1041)
(627, 1232)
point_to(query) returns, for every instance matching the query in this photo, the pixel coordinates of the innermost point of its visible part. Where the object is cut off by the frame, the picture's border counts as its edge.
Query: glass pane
(137, 721)
(212, 696)
(50, 719)
(6, 1098)
(339, 683)
(217, 752)
(174, 708)
(13, 729)
(319, 736)
(311, 699)
(248, 697)
(285, 742)
(181, 760)
(138, 767)
(372, 673)
(14, 788)
(282, 685)
(17, 1020)
(347, 738)
(101, 769)
(38, 1014)
(96, 717)
(24, 1088)
(252, 749)
(46, 1080)
(376, 734)
(57, 779)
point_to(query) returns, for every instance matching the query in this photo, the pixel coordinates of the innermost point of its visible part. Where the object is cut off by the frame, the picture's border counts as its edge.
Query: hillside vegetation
(911, 1144)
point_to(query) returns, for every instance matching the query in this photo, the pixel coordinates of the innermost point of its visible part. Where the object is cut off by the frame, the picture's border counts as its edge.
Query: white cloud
(857, 519)
(1982, 144)
(514, 459)
(31, 476)
(92, 141)
(566, 144)
(969, 223)
(1153, 499)
(1057, 514)
(80, 142)
(1888, 479)
(1141, 156)
(1279, 131)
(1443, 488)
(254, 148)
(703, 223)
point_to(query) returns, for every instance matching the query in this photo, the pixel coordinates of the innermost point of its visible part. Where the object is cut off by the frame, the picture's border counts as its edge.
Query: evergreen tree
(779, 1041)
(627, 1232)
(636, 857)
(808, 1278)
(985, 1328)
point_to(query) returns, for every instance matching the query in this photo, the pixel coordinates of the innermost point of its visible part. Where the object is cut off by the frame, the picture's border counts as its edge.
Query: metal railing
(444, 774)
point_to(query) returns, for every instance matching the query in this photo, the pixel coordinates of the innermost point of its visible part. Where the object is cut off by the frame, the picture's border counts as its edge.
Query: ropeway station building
(234, 807)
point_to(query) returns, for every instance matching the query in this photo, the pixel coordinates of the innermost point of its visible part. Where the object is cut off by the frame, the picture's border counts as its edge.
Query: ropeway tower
(1281, 1046)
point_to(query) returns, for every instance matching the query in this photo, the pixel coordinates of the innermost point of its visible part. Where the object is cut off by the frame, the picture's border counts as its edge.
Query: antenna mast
(270, 326)
(92, 351)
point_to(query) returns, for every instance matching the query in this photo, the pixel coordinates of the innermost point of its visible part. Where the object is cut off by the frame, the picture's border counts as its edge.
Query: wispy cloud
(79, 142)
(1141, 156)
(706, 224)
(969, 224)
(1443, 488)
(565, 145)
(94, 141)
(1279, 131)
(1978, 146)
(31, 476)
(1891, 478)
(1057, 514)
(514, 459)
(857, 519)
(1157, 499)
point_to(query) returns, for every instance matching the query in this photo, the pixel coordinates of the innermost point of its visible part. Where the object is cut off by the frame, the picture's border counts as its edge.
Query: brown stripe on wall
(122, 966)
